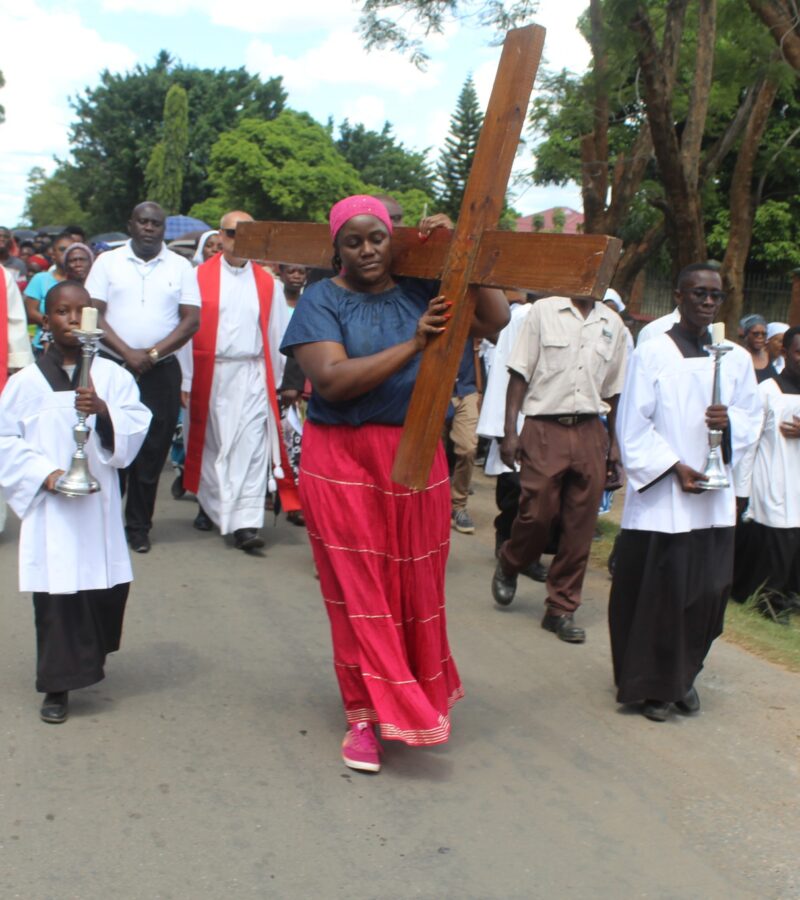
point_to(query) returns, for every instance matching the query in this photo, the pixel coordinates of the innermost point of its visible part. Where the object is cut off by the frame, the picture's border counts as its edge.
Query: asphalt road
(207, 764)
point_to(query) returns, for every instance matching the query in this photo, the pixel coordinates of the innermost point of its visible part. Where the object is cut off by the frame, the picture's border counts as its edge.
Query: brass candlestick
(79, 481)
(715, 477)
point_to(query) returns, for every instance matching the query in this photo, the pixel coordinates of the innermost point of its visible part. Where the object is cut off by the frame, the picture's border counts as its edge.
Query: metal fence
(768, 295)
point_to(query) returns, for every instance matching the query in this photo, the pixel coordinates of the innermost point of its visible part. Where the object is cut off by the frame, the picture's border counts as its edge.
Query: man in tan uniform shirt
(566, 370)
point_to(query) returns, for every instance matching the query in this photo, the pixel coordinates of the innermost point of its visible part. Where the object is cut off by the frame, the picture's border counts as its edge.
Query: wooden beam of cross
(474, 255)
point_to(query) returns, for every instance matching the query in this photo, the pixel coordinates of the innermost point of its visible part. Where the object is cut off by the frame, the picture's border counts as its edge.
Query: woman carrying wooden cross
(380, 548)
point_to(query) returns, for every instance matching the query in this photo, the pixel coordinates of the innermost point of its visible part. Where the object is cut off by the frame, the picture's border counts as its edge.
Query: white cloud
(312, 44)
(35, 95)
(564, 46)
(340, 59)
(369, 110)
(252, 16)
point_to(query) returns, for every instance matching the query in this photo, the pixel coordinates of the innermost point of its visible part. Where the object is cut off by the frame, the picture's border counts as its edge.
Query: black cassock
(75, 632)
(670, 587)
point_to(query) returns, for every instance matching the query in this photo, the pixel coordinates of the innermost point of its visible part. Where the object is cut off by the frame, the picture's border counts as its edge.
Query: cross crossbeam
(473, 255)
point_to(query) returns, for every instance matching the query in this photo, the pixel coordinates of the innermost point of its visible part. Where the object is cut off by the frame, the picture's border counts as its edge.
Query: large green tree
(676, 92)
(459, 148)
(50, 201)
(119, 121)
(167, 164)
(2, 108)
(383, 161)
(285, 169)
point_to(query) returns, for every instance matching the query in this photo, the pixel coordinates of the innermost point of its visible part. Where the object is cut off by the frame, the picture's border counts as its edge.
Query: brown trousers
(562, 476)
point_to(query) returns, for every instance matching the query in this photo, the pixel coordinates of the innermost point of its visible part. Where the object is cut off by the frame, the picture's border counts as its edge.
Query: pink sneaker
(360, 748)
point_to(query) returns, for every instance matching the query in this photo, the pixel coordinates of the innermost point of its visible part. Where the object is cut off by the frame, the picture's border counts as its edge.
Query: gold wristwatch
(153, 354)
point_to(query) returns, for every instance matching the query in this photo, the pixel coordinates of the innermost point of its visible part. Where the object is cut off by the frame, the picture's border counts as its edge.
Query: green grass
(780, 644)
(601, 549)
(744, 625)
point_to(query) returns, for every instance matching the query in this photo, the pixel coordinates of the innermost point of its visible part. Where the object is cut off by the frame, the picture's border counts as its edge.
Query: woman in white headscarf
(209, 244)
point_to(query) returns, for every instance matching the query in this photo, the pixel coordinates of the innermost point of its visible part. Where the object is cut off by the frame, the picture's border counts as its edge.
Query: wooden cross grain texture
(472, 255)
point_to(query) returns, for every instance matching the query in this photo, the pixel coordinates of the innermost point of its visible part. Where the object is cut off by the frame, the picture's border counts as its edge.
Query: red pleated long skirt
(381, 552)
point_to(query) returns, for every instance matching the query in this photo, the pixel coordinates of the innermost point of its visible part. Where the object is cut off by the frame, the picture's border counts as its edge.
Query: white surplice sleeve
(23, 467)
(130, 418)
(19, 343)
(646, 455)
(745, 408)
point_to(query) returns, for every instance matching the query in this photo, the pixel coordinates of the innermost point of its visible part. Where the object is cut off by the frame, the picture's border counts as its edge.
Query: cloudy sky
(52, 51)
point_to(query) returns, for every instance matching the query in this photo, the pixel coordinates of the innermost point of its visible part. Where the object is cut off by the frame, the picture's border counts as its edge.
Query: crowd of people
(293, 386)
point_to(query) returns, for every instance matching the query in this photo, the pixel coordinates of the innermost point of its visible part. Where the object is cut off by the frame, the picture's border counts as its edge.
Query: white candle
(717, 332)
(88, 319)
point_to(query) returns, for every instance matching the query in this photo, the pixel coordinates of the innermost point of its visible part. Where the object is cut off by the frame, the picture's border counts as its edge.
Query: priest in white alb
(235, 448)
(674, 562)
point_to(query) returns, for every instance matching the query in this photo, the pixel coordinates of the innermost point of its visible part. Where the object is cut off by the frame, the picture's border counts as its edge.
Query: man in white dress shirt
(149, 308)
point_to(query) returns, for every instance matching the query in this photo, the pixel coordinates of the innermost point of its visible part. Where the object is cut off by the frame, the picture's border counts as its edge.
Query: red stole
(204, 350)
(3, 330)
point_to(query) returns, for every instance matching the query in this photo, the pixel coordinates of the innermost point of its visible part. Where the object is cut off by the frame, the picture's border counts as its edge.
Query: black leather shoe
(503, 586)
(202, 522)
(178, 490)
(247, 539)
(536, 571)
(690, 703)
(564, 628)
(656, 710)
(139, 541)
(55, 708)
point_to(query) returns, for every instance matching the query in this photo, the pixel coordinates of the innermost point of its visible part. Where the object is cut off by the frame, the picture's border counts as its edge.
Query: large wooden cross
(471, 256)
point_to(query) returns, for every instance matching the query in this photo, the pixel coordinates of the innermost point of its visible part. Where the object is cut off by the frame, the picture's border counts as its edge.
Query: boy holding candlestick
(674, 563)
(73, 555)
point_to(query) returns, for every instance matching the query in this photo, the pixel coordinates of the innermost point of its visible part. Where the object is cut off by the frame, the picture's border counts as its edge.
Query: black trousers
(74, 633)
(506, 497)
(160, 391)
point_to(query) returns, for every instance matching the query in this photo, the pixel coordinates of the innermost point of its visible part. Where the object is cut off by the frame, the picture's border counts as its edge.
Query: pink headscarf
(357, 205)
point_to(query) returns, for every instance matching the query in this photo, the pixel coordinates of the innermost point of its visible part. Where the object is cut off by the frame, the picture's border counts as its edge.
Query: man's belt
(569, 419)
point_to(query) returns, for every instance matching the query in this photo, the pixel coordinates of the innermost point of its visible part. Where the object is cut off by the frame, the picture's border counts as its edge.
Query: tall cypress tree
(456, 158)
(167, 164)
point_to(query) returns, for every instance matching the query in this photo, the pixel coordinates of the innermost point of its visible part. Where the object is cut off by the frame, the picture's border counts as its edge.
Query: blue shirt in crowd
(37, 289)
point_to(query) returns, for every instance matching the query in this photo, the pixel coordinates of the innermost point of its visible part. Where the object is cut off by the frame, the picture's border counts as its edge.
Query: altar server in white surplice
(72, 554)
(235, 443)
(769, 555)
(674, 563)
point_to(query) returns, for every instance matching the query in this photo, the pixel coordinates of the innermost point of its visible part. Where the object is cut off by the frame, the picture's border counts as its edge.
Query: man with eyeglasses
(674, 564)
(149, 308)
(235, 448)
